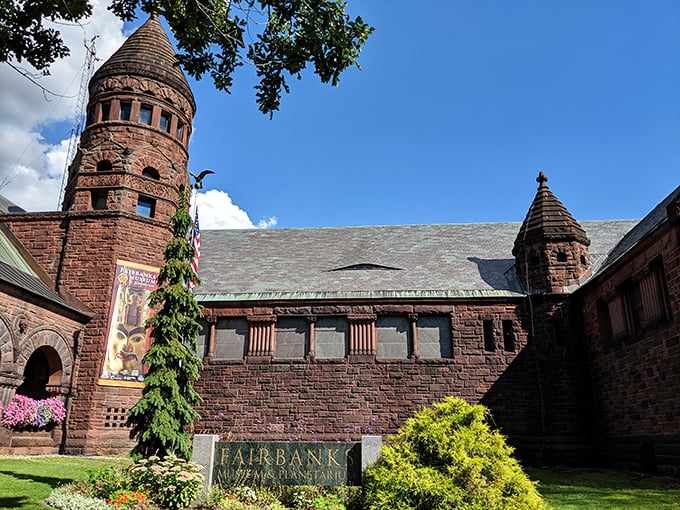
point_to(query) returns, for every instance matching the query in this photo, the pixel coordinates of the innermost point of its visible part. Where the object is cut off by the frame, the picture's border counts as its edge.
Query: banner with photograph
(127, 340)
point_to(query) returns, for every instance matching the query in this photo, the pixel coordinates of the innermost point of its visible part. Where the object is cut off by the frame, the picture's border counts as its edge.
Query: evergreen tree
(163, 418)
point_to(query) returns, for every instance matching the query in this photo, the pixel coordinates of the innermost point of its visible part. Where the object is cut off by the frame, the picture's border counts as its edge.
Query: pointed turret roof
(147, 52)
(549, 220)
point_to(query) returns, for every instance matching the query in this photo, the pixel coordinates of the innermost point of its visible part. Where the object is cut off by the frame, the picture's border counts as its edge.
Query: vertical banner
(127, 340)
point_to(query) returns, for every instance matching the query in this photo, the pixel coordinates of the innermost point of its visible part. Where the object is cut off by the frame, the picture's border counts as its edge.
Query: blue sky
(457, 107)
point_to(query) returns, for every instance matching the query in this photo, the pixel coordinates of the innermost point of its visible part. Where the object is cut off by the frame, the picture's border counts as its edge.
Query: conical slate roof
(549, 220)
(147, 52)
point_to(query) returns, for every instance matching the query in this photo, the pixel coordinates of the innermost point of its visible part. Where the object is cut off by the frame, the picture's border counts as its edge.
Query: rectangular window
(434, 336)
(291, 337)
(125, 110)
(489, 342)
(331, 337)
(145, 113)
(146, 206)
(508, 336)
(393, 337)
(180, 130)
(653, 293)
(617, 316)
(99, 200)
(106, 110)
(202, 339)
(231, 335)
(165, 122)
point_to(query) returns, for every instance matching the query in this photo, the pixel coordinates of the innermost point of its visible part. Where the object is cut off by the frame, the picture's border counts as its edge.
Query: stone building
(567, 330)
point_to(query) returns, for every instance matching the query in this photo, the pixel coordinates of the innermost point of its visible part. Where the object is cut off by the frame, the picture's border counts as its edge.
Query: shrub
(327, 502)
(172, 482)
(445, 457)
(104, 482)
(66, 498)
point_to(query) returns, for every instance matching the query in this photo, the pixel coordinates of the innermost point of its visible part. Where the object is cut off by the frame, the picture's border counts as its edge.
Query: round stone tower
(123, 187)
(551, 248)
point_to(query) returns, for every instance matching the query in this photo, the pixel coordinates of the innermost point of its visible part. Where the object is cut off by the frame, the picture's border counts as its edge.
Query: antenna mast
(79, 118)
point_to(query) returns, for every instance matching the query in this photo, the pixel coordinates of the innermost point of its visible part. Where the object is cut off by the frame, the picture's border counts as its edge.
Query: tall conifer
(163, 418)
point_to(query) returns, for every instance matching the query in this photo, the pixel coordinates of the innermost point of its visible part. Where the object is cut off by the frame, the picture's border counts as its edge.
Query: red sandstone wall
(95, 243)
(42, 234)
(24, 328)
(534, 392)
(636, 384)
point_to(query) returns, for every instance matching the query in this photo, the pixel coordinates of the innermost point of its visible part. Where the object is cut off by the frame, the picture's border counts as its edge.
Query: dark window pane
(331, 337)
(393, 337)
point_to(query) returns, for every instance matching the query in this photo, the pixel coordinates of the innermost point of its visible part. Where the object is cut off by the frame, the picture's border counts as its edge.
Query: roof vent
(365, 266)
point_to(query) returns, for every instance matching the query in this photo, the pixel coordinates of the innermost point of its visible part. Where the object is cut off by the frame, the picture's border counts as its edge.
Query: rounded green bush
(447, 457)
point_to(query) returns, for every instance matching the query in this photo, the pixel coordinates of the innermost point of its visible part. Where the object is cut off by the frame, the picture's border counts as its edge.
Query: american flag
(196, 243)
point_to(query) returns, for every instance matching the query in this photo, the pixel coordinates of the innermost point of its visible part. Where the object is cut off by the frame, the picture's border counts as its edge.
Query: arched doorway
(42, 375)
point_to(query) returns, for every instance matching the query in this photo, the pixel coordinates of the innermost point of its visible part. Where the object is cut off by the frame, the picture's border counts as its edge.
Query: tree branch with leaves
(281, 38)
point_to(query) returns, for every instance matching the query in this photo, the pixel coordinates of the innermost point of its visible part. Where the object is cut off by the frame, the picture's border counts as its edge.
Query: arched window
(104, 166)
(151, 173)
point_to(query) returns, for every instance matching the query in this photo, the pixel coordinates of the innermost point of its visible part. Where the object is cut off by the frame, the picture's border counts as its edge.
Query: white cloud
(217, 211)
(32, 167)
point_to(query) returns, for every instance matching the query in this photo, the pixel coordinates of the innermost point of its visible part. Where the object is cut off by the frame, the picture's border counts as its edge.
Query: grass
(26, 481)
(566, 489)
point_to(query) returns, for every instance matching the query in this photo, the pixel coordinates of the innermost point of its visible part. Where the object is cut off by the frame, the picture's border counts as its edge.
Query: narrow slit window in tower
(508, 336)
(145, 112)
(489, 344)
(165, 122)
(125, 110)
(146, 206)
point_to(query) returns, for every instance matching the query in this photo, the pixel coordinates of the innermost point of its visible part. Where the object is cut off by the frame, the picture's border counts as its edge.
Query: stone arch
(56, 349)
(42, 374)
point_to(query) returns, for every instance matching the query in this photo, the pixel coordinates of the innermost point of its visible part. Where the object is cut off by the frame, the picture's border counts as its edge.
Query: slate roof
(400, 261)
(641, 230)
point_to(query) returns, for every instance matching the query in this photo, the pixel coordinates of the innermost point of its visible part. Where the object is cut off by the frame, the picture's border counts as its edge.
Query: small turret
(551, 248)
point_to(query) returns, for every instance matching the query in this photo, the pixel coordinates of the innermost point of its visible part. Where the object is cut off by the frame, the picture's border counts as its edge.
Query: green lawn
(26, 481)
(566, 489)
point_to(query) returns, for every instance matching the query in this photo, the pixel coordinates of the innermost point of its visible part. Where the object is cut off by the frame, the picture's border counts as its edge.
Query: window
(231, 335)
(145, 113)
(125, 110)
(489, 343)
(202, 339)
(106, 110)
(104, 166)
(180, 130)
(99, 200)
(393, 337)
(561, 256)
(434, 336)
(165, 122)
(291, 337)
(331, 337)
(508, 336)
(653, 293)
(151, 173)
(146, 206)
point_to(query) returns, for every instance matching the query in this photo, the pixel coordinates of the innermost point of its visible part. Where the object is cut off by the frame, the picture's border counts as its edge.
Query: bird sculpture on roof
(198, 179)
